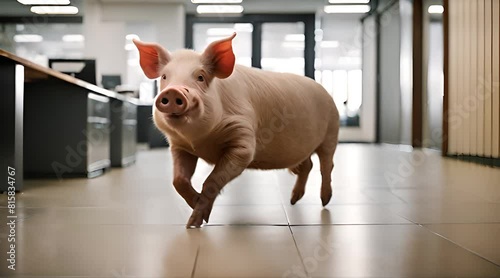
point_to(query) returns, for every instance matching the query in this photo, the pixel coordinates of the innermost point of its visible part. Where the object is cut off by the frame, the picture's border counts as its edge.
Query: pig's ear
(153, 57)
(219, 57)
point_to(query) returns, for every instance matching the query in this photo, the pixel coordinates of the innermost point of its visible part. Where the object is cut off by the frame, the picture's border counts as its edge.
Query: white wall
(107, 24)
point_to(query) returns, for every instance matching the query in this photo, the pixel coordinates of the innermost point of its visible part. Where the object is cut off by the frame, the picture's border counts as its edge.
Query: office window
(39, 42)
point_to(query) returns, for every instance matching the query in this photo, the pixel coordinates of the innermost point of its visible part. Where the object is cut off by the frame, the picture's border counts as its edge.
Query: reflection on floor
(394, 213)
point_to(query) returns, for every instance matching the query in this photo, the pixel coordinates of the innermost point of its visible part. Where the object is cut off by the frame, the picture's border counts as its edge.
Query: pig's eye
(200, 78)
(164, 77)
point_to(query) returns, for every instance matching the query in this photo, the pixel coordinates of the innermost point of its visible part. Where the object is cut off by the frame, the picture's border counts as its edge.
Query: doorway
(272, 42)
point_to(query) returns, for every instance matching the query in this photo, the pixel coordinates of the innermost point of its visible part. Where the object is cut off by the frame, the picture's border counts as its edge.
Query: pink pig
(237, 117)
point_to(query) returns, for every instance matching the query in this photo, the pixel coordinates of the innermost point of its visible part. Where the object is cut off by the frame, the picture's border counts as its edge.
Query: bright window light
(28, 38)
(73, 38)
(243, 27)
(54, 9)
(295, 37)
(349, 1)
(435, 9)
(220, 31)
(210, 40)
(219, 9)
(329, 44)
(44, 2)
(216, 1)
(294, 45)
(347, 9)
(131, 37)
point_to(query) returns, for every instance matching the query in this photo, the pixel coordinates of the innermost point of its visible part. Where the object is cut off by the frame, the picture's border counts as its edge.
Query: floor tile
(167, 214)
(449, 213)
(248, 215)
(104, 251)
(385, 251)
(481, 239)
(251, 251)
(341, 214)
(130, 221)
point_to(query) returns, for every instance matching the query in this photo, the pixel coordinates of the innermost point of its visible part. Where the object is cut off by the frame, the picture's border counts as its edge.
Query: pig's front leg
(184, 166)
(234, 160)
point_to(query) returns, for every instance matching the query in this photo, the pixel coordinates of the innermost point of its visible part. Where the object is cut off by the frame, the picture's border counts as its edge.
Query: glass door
(283, 47)
(205, 33)
(293, 43)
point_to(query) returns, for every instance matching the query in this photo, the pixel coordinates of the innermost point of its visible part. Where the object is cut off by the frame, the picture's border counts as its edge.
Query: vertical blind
(474, 78)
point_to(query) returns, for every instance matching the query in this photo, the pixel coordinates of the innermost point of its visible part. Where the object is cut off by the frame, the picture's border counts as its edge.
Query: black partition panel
(11, 124)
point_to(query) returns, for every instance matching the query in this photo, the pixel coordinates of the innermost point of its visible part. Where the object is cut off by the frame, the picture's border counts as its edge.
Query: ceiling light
(347, 9)
(73, 38)
(435, 9)
(220, 31)
(44, 2)
(216, 1)
(329, 44)
(219, 9)
(28, 38)
(295, 37)
(54, 9)
(349, 1)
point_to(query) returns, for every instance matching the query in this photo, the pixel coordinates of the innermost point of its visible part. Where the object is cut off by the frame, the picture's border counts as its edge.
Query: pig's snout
(172, 100)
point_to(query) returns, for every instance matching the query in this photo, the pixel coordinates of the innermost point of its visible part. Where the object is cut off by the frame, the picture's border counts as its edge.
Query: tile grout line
(459, 245)
(195, 261)
(298, 252)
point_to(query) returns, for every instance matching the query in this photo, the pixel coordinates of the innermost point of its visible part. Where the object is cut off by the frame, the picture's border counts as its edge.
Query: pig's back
(292, 114)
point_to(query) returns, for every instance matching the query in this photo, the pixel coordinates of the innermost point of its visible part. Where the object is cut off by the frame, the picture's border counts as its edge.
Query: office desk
(53, 124)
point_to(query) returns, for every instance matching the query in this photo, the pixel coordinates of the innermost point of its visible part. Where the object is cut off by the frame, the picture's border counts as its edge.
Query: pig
(236, 117)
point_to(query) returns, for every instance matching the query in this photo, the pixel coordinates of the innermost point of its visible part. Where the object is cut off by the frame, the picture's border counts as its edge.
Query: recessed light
(219, 9)
(347, 9)
(28, 38)
(435, 9)
(54, 9)
(44, 2)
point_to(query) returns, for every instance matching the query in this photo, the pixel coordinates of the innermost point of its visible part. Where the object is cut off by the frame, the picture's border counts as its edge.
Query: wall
(473, 78)
(389, 72)
(107, 24)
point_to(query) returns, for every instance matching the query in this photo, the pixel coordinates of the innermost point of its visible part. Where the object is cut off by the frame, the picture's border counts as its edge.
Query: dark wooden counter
(48, 119)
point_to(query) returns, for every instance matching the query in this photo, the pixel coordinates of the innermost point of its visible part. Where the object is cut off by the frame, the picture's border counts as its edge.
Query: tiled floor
(394, 213)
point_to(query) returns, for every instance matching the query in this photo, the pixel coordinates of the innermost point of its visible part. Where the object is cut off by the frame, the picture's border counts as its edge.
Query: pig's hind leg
(325, 154)
(184, 167)
(302, 171)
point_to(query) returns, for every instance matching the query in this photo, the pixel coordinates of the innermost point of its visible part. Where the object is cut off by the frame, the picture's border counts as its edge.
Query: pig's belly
(282, 155)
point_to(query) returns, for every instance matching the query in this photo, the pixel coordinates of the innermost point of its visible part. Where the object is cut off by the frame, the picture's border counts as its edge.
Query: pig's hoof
(325, 197)
(296, 195)
(196, 219)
